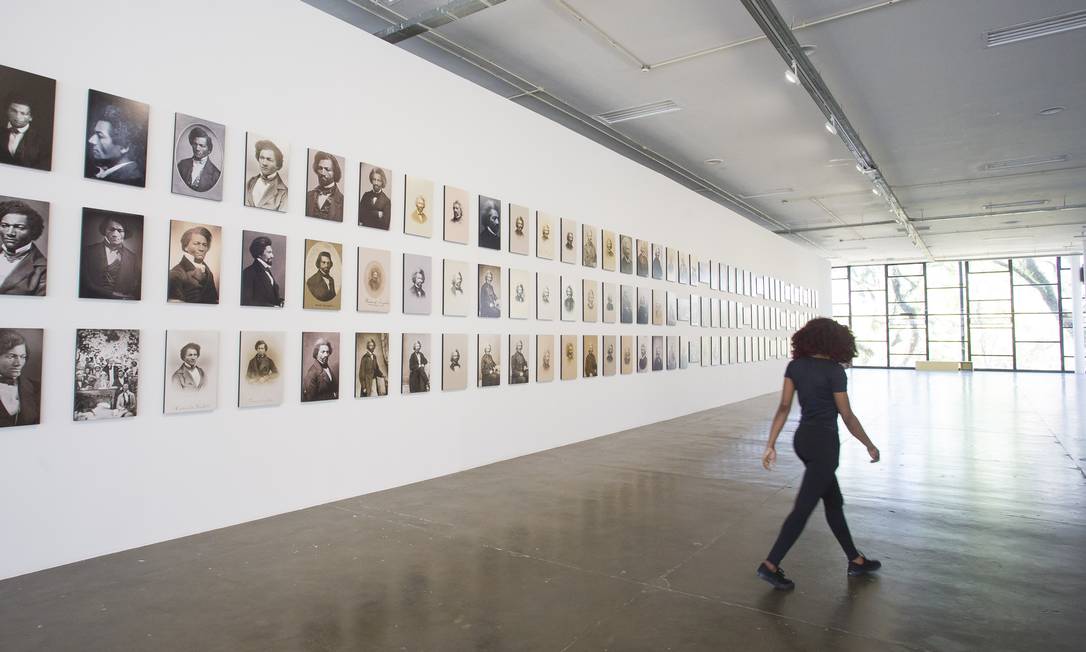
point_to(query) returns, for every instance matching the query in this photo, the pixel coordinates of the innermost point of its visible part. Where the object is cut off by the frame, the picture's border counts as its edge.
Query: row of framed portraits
(107, 371)
(116, 151)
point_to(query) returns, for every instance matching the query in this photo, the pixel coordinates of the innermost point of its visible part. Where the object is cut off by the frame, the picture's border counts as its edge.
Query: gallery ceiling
(961, 131)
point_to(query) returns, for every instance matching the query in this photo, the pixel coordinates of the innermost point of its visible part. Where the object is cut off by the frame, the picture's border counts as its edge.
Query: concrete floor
(642, 540)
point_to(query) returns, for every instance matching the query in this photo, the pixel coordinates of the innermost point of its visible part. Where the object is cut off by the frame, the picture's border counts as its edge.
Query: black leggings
(819, 448)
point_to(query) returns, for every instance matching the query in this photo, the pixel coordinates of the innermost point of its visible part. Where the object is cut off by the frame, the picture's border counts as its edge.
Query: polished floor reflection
(642, 540)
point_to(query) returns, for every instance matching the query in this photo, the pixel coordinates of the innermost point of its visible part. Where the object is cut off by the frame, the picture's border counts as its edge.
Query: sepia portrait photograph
(490, 357)
(521, 291)
(267, 173)
(570, 360)
(658, 315)
(29, 100)
(195, 257)
(374, 268)
(546, 303)
(490, 222)
(320, 366)
(374, 196)
(263, 269)
(323, 273)
(591, 364)
(20, 375)
(570, 292)
(546, 228)
(111, 255)
(590, 301)
(24, 240)
(418, 207)
(683, 273)
(684, 345)
(518, 360)
(672, 272)
(610, 355)
(644, 307)
(644, 353)
(626, 304)
(609, 251)
(260, 357)
(657, 353)
(324, 185)
(116, 144)
(568, 239)
(192, 368)
(198, 155)
(417, 285)
(456, 301)
(626, 362)
(519, 229)
(454, 365)
(589, 249)
(371, 365)
(626, 254)
(693, 351)
(415, 355)
(107, 366)
(544, 358)
(672, 344)
(644, 257)
(658, 261)
(457, 224)
(490, 291)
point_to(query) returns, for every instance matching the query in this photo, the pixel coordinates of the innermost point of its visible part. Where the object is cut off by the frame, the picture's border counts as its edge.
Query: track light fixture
(831, 125)
(790, 75)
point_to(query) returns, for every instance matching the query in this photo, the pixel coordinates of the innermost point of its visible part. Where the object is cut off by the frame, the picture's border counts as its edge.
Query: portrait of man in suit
(642, 258)
(116, 139)
(189, 376)
(266, 188)
(320, 382)
(375, 207)
(489, 371)
(198, 171)
(28, 118)
(108, 269)
(191, 279)
(416, 371)
(626, 260)
(20, 394)
(642, 306)
(372, 381)
(490, 222)
(643, 358)
(657, 263)
(261, 368)
(518, 364)
(324, 200)
(588, 247)
(490, 306)
(321, 284)
(259, 286)
(591, 366)
(22, 264)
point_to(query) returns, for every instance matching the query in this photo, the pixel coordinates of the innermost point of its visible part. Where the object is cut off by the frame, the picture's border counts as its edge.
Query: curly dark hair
(824, 336)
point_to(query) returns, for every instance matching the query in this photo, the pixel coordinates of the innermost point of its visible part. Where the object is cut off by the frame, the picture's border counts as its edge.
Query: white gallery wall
(73, 490)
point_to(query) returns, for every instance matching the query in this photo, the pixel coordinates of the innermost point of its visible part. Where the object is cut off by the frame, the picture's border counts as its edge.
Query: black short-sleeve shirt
(816, 381)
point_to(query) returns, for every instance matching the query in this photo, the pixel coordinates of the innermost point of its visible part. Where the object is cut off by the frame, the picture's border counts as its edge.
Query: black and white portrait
(626, 254)
(374, 266)
(519, 229)
(658, 261)
(547, 296)
(324, 186)
(609, 253)
(116, 146)
(610, 355)
(672, 259)
(457, 222)
(371, 365)
(320, 366)
(28, 113)
(263, 269)
(521, 291)
(418, 207)
(260, 359)
(644, 307)
(490, 356)
(490, 222)
(672, 308)
(454, 365)
(590, 300)
(546, 229)
(375, 196)
(589, 248)
(20, 376)
(323, 273)
(193, 358)
(24, 242)
(626, 304)
(684, 344)
(267, 172)
(568, 247)
(107, 369)
(198, 155)
(490, 291)
(610, 303)
(544, 358)
(683, 264)
(415, 363)
(456, 301)
(643, 258)
(196, 256)
(644, 354)
(519, 371)
(417, 284)
(695, 310)
(657, 353)
(658, 314)
(591, 365)
(693, 350)
(570, 293)
(571, 362)
(111, 257)
(672, 352)
(626, 348)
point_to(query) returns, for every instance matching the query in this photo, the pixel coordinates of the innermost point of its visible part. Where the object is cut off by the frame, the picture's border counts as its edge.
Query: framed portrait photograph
(544, 358)
(693, 351)
(706, 312)
(267, 173)
(192, 362)
(546, 228)
(627, 304)
(20, 373)
(644, 305)
(111, 255)
(29, 102)
(683, 262)
(198, 155)
(644, 351)
(547, 296)
(672, 345)
(658, 261)
(456, 223)
(260, 357)
(590, 347)
(519, 228)
(672, 308)
(320, 366)
(417, 285)
(519, 373)
(644, 258)
(657, 353)
(658, 315)
(24, 241)
(693, 270)
(490, 222)
(569, 241)
(589, 250)
(683, 346)
(682, 308)
(590, 301)
(371, 368)
(107, 365)
(570, 292)
(609, 262)
(704, 275)
(195, 259)
(626, 344)
(570, 360)
(695, 310)
(323, 272)
(374, 196)
(374, 280)
(610, 303)
(263, 269)
(672, 272)
(456, 302)
(520, 291)
(610, 355)
(714, 347)
(706, 351)
(116, 144)
(490, 291)
(415, 363)
(626, 254)
(454, 367)
(490, 356)
(324, 185)
(708, 276)
(418, 207)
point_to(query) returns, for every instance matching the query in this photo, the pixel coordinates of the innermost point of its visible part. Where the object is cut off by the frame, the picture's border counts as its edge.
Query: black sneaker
(776, 578)
(869, 566)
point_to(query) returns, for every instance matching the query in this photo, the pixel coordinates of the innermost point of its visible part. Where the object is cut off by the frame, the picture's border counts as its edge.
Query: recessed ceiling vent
(1027, 162)
(636, 112)
(1036, 29)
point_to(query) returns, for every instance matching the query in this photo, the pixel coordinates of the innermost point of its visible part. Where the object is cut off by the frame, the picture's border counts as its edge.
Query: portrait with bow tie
(27, 118)
(20, 376)
(322, 287)
(192, 278)
(116, 145)
(324, 199)
(111, 261)
(197, 157)
(23, 243)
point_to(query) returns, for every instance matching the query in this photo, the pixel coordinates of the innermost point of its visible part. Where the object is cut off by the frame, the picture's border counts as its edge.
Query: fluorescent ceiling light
(1050, 111)
(831, 127)
(1036, 29)
(790, 75)
(1016, 204)
(768, 193)
(1024, 162)
(636, 112)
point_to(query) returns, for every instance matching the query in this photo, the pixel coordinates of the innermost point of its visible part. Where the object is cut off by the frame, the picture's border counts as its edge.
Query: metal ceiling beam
(433, 18)
(939, 218)
(767, 17)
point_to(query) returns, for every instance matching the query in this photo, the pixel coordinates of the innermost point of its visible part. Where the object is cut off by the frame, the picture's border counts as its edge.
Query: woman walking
(819, 350)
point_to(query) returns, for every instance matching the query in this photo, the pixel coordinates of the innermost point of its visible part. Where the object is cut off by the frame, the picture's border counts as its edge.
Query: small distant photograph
(706, 307)
(267, 173)
(714, 347)
(324, 186)
(672, 352)
(454, 367)
(195, 253)
(672, 262)
(644, 258)
(198, 155)
(626, 254)
(657, 353)
(418, 207)
(569, 241)
(456, 301)
(260, 381)
(626, 304)
(695, 310)
(24, 240)
(264, 270)
(610, 355)
(519, 229)
(375, 192)
(626, 344)
(490, 222)
(374, 274)
(591, 361)
(682, 309)
(546, 235)
(569, 299)
(490, 355)
(323, 275)
(417, 285)
(193, 356)
(320, 366)
(111, 255)
(107, 366)
(547, 296)
(490, 291)
(116, 145)
(544, 358)
(693, 270)
(684, 344)
(610, 303)
(371, 365)
(520, 294)
(672, 308)
(706, 352)
(610, 251)
(518, 360)
(415, 363)
(658, 315)
(589, 251)
(693, 350)
(20, 373)
(684, 271)
(704, 274)
(644, 299)
(29, 101)
(644, 346)
(658, 261)
(570, 360)
(457, 224)
(590, 301)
